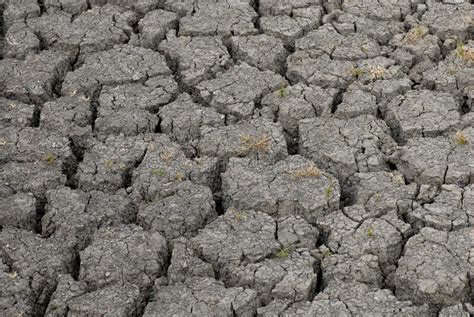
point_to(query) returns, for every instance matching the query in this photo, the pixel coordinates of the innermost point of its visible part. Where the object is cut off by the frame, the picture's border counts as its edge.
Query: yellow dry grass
(309, 171)
(251, 143)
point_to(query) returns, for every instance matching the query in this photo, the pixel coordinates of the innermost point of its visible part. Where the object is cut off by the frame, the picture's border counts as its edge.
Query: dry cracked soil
(236, 158)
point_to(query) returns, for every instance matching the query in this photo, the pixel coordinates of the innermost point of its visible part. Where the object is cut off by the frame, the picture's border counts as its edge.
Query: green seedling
(327, 253)
(356, 72)
(461, 138)
(282, 91)
(239, 215)
(378, 198)
(460, 50)
(283, 253)
(50, 159)
(464, 53)
(329, 192)
(158, 171)
(370, 232)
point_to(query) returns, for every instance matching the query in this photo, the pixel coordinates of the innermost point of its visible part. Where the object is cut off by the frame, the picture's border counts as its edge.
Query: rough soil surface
(236, 158)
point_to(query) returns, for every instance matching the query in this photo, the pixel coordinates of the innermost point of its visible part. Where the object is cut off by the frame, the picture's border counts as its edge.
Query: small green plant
(158, 171)
(326, 253)
(460, 50)
(464, 53)
(239, 215)
(461, 138)
(329, 192)
(370, 232)
(283, 253)
(378, 198)
(356, 72)
(50, 159)
(282, 91)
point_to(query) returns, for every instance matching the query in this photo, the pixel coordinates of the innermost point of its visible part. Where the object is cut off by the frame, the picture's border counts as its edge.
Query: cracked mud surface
(236, 158)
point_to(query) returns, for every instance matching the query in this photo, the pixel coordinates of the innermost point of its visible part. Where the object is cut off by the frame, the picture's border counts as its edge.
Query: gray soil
(236, 158)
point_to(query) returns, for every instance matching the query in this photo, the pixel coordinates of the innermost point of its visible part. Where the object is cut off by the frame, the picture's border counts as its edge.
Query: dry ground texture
(236, 158)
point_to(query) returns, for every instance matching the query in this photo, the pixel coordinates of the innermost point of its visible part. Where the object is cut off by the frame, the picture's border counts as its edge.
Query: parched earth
(236, 158)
